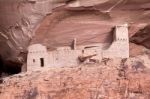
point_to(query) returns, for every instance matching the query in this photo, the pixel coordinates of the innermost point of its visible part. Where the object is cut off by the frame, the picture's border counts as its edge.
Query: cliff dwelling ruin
(39, 56)
(74, 49)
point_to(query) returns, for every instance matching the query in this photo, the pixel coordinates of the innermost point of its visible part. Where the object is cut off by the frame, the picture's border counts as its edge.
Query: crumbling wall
(64, 58)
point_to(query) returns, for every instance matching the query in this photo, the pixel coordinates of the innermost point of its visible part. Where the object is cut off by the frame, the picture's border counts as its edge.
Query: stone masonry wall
(120, 45)
(35, 54)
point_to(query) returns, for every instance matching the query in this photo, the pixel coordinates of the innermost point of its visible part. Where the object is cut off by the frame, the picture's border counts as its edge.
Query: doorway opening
(42, 62)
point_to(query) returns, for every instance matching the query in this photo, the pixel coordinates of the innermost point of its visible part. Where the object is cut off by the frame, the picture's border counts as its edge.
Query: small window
(33, 60)
(42, 62)
(83, 51)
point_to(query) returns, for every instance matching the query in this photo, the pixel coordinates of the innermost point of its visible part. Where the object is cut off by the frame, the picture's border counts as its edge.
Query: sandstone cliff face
(115, 79)
(55, 23)
(20, 19)
(142, 37)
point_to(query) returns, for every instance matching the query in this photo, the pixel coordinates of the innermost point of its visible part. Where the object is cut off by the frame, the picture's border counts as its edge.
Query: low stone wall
(66, 57)
(117, 50)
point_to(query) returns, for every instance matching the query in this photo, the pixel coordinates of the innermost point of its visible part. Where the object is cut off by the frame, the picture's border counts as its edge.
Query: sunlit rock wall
(19, 19)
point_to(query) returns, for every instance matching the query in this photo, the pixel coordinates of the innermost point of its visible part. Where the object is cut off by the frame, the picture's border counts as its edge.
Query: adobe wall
(120, 46)
(64, 56)
(35, 53)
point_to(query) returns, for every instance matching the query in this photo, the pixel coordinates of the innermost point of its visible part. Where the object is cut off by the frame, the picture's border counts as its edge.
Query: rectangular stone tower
(120, 45)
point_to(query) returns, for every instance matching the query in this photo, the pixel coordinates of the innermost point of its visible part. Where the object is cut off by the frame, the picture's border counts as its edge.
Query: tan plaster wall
(64, 56)
(120, 46)
(36, 52)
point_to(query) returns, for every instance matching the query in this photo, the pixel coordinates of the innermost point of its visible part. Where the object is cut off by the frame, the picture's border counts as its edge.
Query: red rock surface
(93, 81)
(56, 24)
(142, 37)
(19, 19)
